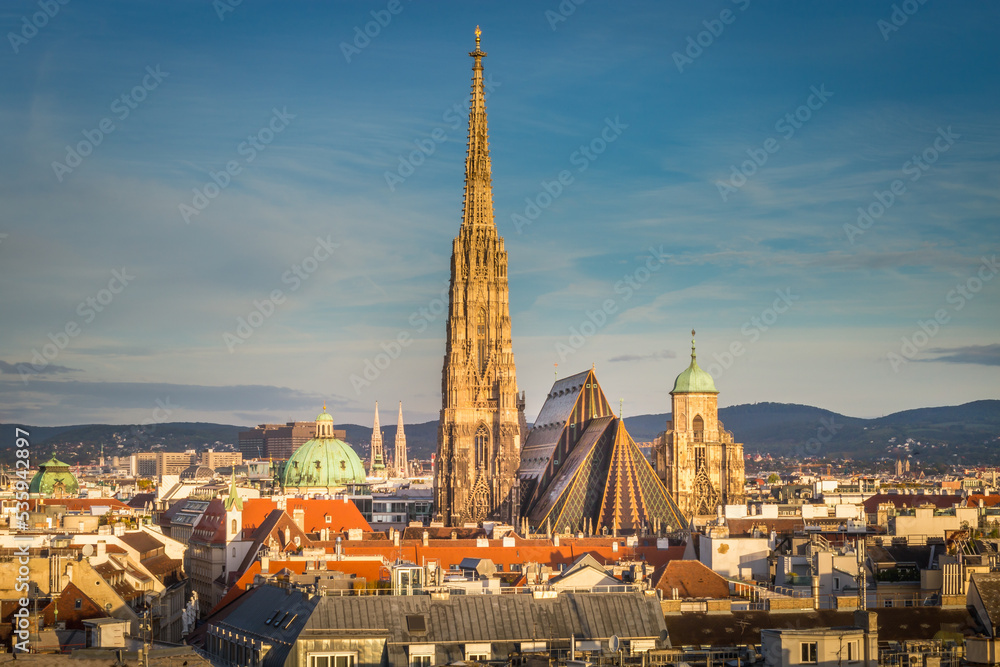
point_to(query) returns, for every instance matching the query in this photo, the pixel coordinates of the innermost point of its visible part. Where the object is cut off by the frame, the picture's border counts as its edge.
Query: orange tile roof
(343, 513)
(692, 579)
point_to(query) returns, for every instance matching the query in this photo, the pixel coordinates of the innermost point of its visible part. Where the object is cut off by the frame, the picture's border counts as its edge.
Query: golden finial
(478, 33)
(324, 406)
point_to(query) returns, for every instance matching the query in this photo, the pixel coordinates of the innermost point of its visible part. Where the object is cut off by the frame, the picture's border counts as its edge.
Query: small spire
(693, 355)
(621, 405)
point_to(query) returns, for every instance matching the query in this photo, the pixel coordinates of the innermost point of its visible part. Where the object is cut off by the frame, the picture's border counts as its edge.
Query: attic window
(279, 622)
(416, 624)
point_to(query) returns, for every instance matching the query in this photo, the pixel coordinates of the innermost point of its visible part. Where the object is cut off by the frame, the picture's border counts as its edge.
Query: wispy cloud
(983, 355)
(659, 355)
(26, 367)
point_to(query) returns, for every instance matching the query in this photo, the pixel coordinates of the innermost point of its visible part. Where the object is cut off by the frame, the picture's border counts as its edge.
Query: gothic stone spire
(402, 467)
(377, 465)
(482, 415)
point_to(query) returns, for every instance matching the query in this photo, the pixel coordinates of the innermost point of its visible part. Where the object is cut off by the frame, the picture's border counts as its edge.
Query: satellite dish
(88, 550)
(614, 643)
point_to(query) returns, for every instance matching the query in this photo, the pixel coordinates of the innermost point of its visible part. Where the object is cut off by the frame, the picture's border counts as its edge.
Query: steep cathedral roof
(580, 469)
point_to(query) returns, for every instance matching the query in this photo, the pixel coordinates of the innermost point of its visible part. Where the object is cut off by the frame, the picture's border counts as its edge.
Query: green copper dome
(54, 479)
(694, 380)
(324, 461)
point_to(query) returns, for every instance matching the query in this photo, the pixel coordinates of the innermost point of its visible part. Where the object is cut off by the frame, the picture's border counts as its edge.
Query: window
(699, 429)
(420, 661)
(332, 660)
(852, 651)
(808, 652)
(477, 652)
(78, 604)
(481, 340)
(482, 446)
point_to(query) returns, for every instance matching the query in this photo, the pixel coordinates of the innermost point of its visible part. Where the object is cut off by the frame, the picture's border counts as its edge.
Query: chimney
(454, 534)
(299, 517)
(395, 538)
(425, 538)
(102, 548)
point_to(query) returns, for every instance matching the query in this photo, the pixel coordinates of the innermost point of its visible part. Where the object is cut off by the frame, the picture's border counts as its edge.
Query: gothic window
(233, 527)
(699, 429)
(482, 446)
(699, 458)
(481, 340)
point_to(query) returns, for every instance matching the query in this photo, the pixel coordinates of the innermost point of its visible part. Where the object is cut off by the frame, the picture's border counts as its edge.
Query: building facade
(696, 457)
(482, 414)
(278, 441)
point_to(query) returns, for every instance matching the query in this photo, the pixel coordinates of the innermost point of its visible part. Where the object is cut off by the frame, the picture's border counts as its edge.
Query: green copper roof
(323, 462)
(54, 478)
(324, 416)
(233, 500)
(694, 380)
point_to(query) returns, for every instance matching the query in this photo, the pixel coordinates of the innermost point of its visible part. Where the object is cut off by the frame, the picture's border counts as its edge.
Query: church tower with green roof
(696, 457)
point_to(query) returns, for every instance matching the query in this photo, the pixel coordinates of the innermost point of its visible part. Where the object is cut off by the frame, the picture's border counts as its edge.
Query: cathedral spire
(478, 208)
(402, 466)
(376, 467)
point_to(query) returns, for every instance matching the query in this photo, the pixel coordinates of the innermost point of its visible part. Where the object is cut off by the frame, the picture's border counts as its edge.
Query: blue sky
(739, 141)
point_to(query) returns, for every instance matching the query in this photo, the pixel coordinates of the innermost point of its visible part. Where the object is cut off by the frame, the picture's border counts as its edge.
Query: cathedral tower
(482, 415)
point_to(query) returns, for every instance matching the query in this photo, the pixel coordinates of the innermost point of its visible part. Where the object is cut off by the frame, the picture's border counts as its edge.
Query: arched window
(233, 531)
(482, 447)
(481, 340)
(699, 429)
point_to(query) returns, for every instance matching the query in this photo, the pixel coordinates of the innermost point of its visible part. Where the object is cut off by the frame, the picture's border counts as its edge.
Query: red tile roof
(988, 501)
(692, 579)
(343, 513)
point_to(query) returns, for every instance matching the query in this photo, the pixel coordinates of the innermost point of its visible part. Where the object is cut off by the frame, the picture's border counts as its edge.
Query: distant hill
(968, 434)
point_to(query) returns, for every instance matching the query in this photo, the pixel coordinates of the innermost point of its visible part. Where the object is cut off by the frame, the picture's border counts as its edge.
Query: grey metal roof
(287, 611)
(494, 618)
